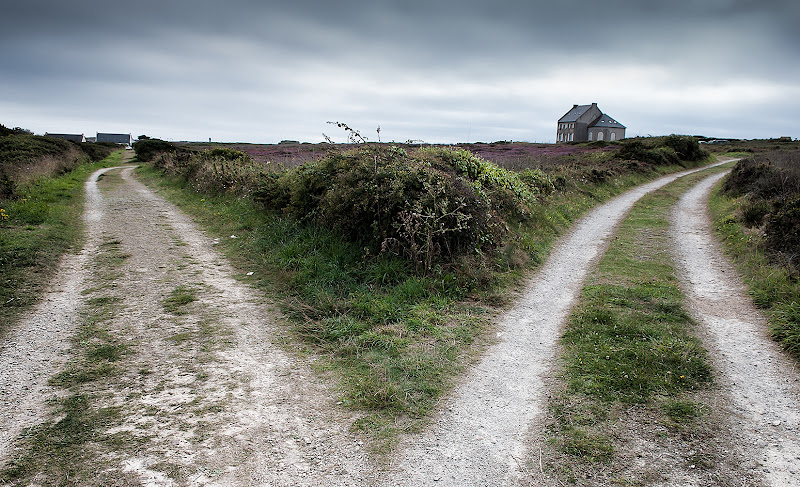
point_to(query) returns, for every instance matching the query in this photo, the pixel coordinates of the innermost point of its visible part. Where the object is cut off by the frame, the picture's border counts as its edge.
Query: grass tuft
(178, 299)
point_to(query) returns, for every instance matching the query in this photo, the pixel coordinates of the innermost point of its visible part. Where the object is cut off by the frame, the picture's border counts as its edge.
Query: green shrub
(214, 171)
(663, 151)
(25, 157)
(147, 149)
(772, 194)
(429, 205)
(686, 148)
(17, 149)
(97, 151)
(754, 212)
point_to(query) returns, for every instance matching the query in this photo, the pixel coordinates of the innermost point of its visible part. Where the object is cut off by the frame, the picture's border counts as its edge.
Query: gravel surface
(207, 396)
(480, 436)
(760, 383)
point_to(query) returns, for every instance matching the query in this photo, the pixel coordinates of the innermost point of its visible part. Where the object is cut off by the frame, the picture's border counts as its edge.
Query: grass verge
(774, 287)
(394, 339)
(35, 231)
(631, 363)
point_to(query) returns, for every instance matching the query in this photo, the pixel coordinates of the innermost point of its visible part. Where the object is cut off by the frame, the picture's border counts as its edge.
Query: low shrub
(769, 187)
(429, 205)
(663, 151)
(214, 171)
(783, 227)
(148, 149)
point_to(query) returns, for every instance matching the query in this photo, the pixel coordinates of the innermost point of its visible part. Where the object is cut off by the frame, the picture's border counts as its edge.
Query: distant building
(72, 137)
(586, 123)
(115, 138)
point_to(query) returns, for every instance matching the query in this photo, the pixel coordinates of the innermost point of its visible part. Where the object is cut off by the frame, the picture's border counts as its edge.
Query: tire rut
(759, 382)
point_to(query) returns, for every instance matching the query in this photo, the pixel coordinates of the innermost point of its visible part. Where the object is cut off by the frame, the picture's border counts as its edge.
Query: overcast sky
(432, 70)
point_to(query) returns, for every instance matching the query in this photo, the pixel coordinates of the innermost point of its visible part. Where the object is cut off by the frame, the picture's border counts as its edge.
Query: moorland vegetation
(390, 260)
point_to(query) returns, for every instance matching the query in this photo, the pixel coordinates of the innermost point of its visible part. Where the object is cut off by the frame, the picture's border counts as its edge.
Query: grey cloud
(407, 60)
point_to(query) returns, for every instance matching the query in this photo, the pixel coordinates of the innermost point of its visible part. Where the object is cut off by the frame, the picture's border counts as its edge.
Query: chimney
(574, 106)
(594, 105)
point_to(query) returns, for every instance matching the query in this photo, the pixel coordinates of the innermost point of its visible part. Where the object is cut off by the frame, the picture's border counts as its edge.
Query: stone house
(586, 123)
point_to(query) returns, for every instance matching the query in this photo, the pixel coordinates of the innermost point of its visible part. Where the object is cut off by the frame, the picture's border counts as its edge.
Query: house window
(599, 135)
(613, 136)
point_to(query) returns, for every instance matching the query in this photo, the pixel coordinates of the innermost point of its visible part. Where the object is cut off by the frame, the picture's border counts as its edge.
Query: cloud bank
(439, 71)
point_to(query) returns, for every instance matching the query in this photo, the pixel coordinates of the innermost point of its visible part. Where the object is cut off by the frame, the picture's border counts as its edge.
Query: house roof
(607, 122)
(574, 114)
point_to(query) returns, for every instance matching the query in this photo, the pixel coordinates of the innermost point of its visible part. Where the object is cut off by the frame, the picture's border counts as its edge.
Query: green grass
(178, 299)
(42, 225)
(773, 287)
(62, 446)
(629, 345)
(394, 339)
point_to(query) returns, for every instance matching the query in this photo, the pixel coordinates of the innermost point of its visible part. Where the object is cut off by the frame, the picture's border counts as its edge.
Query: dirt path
(480, 436)
(206, 395)
(761, 383)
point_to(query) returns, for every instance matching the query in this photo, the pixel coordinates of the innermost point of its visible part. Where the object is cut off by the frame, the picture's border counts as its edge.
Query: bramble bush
(213, 171)
(429, 205)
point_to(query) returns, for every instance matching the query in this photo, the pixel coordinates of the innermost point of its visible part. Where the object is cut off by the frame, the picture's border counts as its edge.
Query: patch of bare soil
(205, 392)
(760, 383)
(484, 432)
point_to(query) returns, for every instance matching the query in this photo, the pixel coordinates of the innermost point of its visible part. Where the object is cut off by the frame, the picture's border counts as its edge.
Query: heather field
(509, 155)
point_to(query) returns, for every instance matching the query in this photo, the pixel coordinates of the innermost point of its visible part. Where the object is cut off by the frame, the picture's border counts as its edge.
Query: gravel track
(237, 409)
(480, 436)
(207, 396)
(760, 383)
